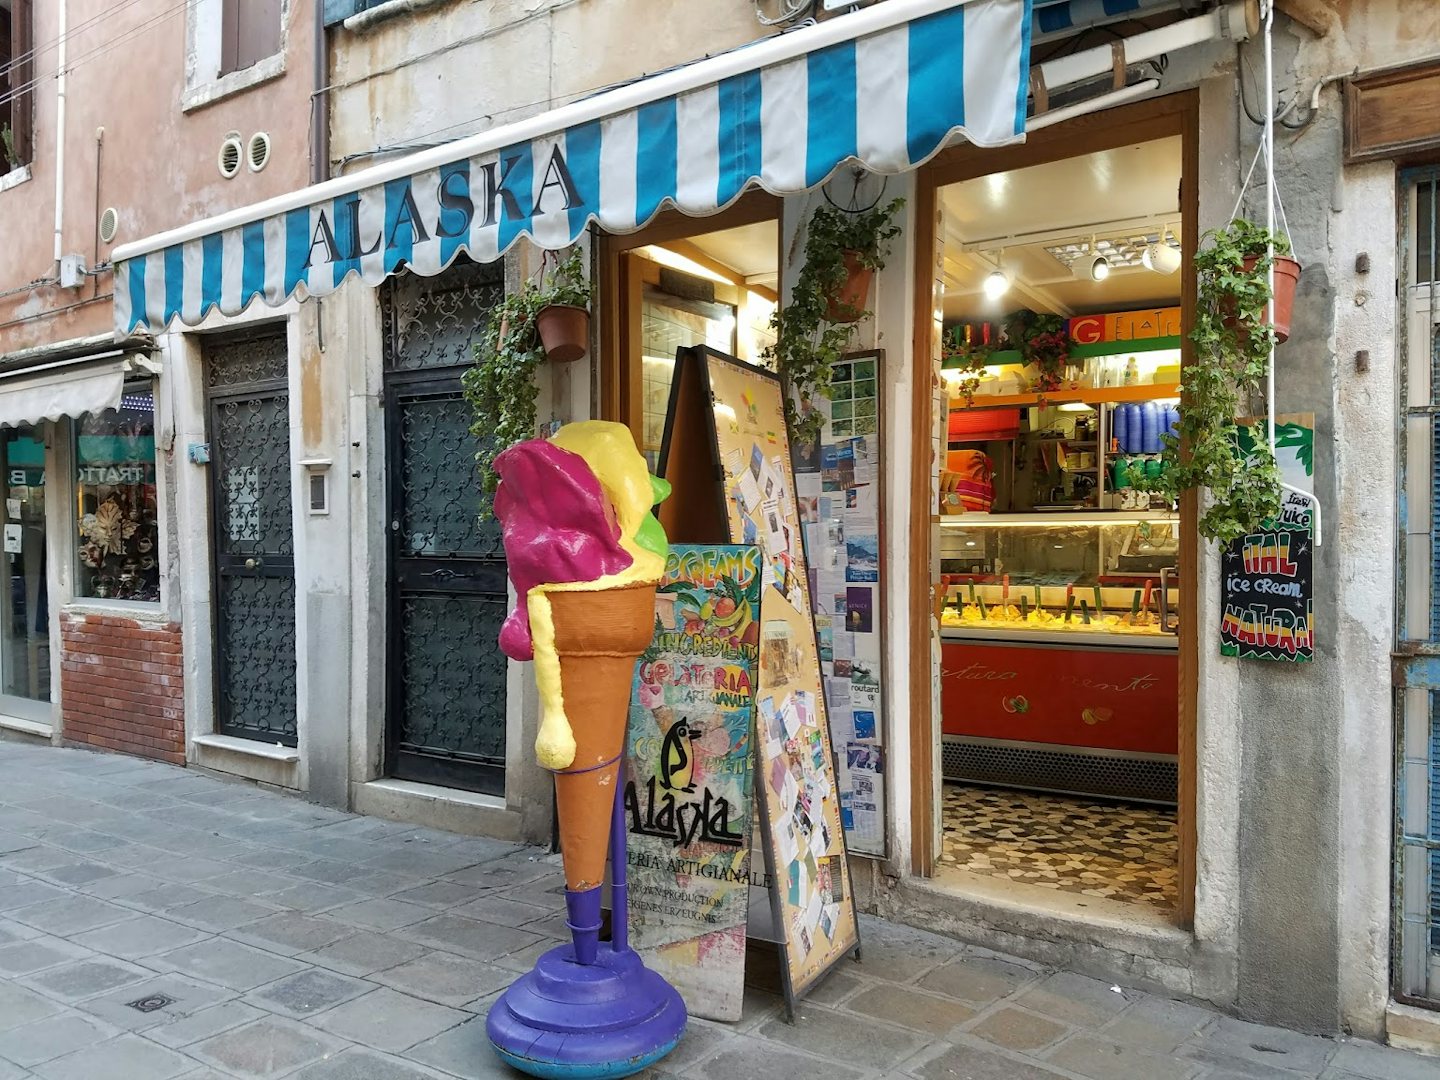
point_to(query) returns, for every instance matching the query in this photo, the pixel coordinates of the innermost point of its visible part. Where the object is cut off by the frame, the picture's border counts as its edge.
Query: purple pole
(588, 1010)
(619, 884)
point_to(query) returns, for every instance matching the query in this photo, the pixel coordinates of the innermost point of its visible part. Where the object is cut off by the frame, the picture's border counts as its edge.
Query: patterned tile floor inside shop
(1116, 850)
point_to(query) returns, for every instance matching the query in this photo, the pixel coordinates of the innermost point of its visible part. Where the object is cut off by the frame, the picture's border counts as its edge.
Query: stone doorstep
(1409, 1028)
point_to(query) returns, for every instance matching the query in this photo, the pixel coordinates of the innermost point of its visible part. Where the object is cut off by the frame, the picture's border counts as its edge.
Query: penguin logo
(677, 765)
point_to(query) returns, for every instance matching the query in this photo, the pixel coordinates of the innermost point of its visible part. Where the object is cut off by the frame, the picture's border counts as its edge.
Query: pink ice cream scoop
(557, 526)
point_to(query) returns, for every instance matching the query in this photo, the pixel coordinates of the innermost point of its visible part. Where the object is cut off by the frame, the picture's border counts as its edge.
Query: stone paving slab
(158, 923)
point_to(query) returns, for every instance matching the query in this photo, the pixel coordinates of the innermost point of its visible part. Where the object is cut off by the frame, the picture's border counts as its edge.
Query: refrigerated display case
(1060, 651)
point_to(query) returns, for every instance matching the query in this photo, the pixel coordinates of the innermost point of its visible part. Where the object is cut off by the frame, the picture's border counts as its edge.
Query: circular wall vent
(109, 224)
(231, 154)
(257, 153)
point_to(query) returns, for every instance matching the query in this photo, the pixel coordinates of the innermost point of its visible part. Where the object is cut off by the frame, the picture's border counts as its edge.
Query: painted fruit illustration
(1017, 704)
(1096, 716)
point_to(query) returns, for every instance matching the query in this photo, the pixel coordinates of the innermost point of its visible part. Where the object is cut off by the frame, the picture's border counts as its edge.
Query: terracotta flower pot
(564, 332)
(1287, 277)
(848, 303)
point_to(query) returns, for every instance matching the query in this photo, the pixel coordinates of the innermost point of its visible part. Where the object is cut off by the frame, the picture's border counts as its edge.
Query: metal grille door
(1417, 658)
(445, 673)
(252, 538)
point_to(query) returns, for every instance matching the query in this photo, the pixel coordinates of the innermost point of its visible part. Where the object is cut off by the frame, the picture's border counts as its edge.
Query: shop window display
(116, 506)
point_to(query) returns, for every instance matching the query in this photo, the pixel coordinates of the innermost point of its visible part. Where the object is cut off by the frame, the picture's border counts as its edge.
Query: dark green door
(445, 682)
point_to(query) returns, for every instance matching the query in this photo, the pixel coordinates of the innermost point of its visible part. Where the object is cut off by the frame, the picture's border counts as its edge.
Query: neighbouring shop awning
(887, 86)
(67, 388)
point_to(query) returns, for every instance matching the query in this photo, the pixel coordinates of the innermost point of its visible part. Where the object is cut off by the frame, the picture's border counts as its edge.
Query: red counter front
(1113, 699)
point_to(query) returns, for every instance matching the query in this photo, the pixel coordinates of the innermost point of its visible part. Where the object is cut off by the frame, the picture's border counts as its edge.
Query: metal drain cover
(150, 1004)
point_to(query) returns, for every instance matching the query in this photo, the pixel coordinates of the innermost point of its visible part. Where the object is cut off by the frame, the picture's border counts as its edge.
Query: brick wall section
(122, 686)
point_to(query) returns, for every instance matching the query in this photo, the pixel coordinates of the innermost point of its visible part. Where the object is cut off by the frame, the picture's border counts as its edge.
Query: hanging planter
(847, 303)
(563, 316)
(1287, 277)
(1230, 361)
(564, 332)
(843, 249)
(549, 321)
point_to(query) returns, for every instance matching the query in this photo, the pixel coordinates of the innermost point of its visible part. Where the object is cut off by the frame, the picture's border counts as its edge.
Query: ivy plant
(808, 344)
(968, 359)
(1232, 342)
(1042, 340)
(567, 284)
(500, 385)
(7, 147)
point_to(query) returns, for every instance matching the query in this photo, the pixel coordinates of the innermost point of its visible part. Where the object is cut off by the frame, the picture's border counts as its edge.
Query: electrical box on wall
(317, 486)
(72, 271)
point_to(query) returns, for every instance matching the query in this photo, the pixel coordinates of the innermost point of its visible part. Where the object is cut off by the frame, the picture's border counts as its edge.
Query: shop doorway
(1059, 582)
(683, 282)
(252, 537)
(24, 606)
(445, 681)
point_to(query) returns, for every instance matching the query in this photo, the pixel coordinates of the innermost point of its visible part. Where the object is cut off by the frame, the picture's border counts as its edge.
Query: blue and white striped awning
(887, 87)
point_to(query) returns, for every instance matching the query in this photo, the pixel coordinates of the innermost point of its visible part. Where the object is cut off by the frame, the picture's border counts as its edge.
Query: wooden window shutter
(249, 33)
(22, 105)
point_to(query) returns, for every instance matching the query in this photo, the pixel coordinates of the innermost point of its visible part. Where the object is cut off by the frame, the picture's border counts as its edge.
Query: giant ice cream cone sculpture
(585, 556)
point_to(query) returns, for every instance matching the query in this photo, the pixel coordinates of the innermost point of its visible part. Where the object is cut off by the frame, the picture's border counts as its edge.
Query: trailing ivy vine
(500, 386)
(808, 344)
(1232, 342)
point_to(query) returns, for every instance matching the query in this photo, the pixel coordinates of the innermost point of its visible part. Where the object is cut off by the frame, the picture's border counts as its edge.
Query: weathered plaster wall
(127, 74)
(1311, 893)
(458, 68)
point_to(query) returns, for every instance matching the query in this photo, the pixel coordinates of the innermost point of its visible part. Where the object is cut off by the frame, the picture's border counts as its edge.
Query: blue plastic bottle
(1121, 418)
(1149, 428)
(1172, 420)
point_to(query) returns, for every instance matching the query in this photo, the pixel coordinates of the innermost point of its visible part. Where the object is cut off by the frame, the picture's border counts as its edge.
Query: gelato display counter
(1059, 658)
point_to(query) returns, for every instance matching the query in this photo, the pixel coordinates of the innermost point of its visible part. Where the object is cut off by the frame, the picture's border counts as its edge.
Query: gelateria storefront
(1057, 577)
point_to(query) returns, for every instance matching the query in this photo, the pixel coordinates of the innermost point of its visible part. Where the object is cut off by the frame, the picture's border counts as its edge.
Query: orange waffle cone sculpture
(598, 635)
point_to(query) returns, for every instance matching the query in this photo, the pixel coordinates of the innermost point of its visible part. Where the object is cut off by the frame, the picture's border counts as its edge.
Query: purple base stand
(590, 1008)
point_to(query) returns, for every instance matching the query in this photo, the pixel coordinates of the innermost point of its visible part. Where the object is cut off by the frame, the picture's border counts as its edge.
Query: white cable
(95, 52)
(49, 45)
(1267, 138)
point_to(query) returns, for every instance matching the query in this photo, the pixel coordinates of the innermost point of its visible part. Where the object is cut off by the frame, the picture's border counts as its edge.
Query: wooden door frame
(1163, 117)
(618, 393)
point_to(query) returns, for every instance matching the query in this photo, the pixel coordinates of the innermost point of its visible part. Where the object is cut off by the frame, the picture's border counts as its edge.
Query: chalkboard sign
(1267, 588)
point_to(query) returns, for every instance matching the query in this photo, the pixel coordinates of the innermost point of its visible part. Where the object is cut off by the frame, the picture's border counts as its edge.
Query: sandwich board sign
(726, 454)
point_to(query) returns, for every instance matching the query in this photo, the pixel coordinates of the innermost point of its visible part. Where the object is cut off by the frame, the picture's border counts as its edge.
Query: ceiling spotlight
(997, 283)
(1099, 268)
(1161, 258)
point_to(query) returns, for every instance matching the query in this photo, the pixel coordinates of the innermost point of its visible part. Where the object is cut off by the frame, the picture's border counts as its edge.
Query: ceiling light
(675, 261)
(996, 284)
(1099, 268)
(1073, 406)
(1161, 258)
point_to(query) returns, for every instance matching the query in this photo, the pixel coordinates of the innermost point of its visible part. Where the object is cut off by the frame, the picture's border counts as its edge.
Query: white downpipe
(60, 60)
(1228, 21)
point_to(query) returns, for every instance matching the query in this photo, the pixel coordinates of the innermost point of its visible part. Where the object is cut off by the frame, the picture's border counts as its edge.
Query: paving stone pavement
(158, 923)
